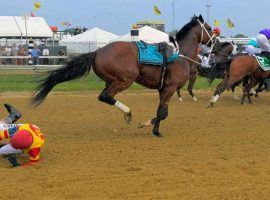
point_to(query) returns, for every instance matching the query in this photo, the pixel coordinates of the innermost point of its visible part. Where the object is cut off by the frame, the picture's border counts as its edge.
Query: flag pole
(208, 5)
(173, 13)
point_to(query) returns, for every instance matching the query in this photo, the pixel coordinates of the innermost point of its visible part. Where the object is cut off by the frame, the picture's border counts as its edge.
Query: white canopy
(147, 34)
(88, 41)
(16, 26)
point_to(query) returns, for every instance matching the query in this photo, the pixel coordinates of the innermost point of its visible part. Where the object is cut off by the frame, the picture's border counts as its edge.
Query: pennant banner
(216, 22)
(37, 5)
(157, 11)
(230, 24)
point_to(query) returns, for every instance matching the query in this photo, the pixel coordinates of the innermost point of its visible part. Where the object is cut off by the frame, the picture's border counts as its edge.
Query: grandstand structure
(240, 41)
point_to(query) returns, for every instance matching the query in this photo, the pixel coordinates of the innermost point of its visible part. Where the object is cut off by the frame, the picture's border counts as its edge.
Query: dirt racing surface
(90, 153)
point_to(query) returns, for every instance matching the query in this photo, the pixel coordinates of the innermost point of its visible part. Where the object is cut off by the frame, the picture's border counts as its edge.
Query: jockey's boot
(14, 114)
(13, 160)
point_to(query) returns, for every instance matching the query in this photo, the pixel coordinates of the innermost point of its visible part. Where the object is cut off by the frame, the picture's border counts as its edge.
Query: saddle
(165, 49)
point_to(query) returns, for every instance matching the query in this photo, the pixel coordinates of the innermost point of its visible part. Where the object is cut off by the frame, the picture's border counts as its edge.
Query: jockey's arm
(34, 155)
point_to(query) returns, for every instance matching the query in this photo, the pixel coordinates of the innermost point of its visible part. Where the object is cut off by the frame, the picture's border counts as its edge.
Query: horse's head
(225, 49)
(204, 31)
(200, 28)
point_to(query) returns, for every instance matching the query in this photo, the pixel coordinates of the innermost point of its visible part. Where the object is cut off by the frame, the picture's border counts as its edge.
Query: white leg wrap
(122, 107)
(181, 99)
(8, 149)
(214, 99)
(252, 91)
(235, 95)
(194, 98)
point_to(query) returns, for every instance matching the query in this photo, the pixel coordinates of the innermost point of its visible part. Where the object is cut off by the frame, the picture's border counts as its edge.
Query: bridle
(204, 29)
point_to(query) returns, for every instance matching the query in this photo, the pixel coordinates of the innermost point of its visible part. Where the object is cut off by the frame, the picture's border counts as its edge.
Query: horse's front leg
(220, 89)
(162, 111)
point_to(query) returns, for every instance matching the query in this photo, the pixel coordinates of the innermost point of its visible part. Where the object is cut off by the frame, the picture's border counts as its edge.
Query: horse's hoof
(210, 105)
(128, 117)
(195, 99)
(140, 125)
(256, 95)
(180, 99)
(157, 133)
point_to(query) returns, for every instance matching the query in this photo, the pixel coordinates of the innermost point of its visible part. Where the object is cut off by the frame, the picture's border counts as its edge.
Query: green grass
(28, 82)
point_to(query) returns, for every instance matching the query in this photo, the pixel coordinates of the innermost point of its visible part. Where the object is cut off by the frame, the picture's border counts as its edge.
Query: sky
(117, 16)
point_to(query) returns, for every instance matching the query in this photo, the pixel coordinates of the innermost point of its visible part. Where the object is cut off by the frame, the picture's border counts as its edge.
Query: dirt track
(219, 153)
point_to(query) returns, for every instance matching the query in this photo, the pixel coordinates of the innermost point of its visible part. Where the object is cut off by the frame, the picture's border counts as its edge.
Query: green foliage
(240, 35)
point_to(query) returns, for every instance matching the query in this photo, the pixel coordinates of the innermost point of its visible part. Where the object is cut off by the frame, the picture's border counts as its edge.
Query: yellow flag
(230, 24)
(37, 5)
(216, 22)
(157, 11)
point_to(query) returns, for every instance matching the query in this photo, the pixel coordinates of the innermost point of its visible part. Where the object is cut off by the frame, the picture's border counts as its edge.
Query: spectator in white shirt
(45, 52)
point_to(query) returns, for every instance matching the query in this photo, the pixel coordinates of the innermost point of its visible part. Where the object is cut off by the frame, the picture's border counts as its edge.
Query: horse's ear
(201, 18)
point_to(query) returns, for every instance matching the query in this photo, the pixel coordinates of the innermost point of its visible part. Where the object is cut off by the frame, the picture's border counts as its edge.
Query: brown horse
(219, 64)
(117, 64)
(240, 67)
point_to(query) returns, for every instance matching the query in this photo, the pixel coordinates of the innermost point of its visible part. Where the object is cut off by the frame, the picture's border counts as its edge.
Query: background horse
(220, 59)
(240, 67)
(117, 64)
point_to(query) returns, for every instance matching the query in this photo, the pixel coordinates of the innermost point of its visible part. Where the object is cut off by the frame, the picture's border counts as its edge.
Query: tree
(240, 35)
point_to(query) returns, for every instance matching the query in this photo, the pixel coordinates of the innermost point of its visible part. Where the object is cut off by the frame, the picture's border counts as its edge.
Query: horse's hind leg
(107, 96)
(233, 89)
(259, 89)
(246, 91)
(192, 79)
(179, 95)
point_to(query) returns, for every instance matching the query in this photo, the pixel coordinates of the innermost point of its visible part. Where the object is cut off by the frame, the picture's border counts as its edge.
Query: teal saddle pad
(148, 54)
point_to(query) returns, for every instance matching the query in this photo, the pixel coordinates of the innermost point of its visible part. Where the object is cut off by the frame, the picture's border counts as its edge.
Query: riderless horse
(117, 64)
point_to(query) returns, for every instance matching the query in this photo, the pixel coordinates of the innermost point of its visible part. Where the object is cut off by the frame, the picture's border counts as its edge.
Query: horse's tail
(172, 40)
(75, 68)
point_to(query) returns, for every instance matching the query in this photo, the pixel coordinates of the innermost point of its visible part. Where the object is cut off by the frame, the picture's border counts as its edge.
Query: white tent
(88, 41)
(147, 34)
(18, 27)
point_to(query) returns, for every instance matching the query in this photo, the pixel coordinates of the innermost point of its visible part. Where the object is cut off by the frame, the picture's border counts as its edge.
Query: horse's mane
(181, 34)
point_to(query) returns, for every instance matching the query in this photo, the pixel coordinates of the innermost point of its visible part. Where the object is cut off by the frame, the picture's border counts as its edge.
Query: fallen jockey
(23, 138)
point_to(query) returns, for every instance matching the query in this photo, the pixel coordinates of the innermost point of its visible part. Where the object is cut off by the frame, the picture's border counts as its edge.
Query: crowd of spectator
(10, 55)
(13, 51)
